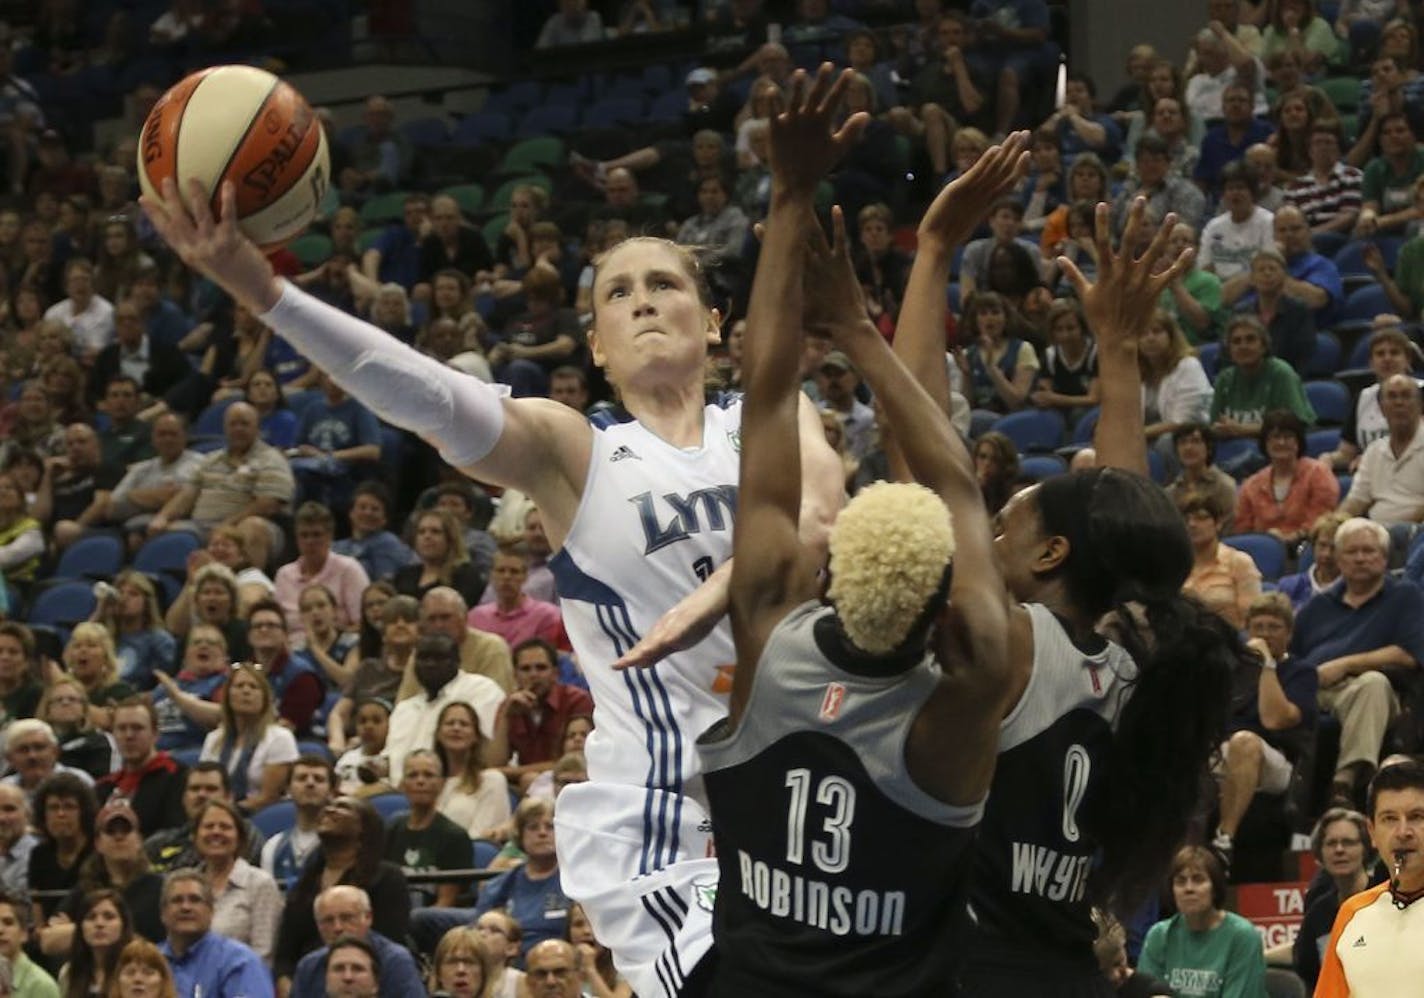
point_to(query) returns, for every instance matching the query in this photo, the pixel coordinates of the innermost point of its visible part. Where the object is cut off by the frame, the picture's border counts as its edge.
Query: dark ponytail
(1129, 556)
(1173, 721)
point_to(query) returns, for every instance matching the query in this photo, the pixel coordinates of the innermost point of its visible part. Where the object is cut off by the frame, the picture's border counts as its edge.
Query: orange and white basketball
(241, 124)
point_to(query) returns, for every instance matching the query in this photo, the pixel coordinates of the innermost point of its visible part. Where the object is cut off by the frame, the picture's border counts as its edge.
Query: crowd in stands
(269, 667)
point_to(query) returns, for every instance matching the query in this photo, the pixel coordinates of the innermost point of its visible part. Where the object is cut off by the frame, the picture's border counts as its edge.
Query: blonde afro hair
(889, 548)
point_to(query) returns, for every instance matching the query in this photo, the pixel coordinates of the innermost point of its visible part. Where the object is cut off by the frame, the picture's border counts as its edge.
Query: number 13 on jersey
(830, 849)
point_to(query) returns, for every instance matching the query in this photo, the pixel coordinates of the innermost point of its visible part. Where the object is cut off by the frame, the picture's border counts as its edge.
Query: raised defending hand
(804, 143)
(834, 299)
(1119, 304)
(215, 248)
(963, 204)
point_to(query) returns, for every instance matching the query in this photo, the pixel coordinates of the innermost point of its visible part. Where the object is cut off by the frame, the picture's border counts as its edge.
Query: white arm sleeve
(28, 545)
(461, 415)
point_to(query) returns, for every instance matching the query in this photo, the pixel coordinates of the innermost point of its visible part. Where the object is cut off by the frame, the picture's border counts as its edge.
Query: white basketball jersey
(655, 521)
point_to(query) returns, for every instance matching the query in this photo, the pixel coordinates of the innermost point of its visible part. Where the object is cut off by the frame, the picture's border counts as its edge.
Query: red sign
(1275, 909)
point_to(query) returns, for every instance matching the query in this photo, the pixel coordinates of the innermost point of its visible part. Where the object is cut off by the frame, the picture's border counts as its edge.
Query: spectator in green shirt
(1204, 951)
(1255, 384)
(1405, 287)
(1388, 187)
(1193, 299)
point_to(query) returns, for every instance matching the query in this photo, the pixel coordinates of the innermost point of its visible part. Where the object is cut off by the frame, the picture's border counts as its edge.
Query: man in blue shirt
(1227, 142)
(379, 551)
(338, 441)
(395, 256)
(1011, 46)
(1357, 633)
(1272, 718)
(206, 965)
(346, 911)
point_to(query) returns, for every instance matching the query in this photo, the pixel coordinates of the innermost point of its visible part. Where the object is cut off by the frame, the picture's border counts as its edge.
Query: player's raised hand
(214, 247)
(1119, 304)
(835, 301)
(805, 141)
(964, 203)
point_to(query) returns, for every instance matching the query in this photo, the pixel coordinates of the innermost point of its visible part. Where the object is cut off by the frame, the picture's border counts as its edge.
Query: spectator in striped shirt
(1328, 194)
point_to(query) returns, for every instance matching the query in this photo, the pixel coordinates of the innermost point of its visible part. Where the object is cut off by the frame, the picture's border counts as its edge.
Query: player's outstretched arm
(528, 444)
(769, 572)
(1117, 307)
(950, 220)
(972, 634)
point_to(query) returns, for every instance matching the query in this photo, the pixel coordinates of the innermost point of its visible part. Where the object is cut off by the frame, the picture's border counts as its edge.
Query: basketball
(245, 125)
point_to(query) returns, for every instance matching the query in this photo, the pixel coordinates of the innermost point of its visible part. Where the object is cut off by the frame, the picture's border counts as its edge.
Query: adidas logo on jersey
(622, 453)
(1359, 943)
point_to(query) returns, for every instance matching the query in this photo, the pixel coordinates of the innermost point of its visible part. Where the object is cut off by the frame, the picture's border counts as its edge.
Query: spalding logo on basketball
(241, 124)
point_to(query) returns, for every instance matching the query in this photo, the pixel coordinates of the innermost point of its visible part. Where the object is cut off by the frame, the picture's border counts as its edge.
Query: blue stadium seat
(1209, 354)
(1266, 551)
(563, 95)
(389, 805)
(484, 851)
(613, 111)
(426, 131)
(1041, 466)
(1345, 482)
(299, 400)
(310, 747)
(481, 127)
(1363, 304)
(1085, 427)
(96, 556)
(548, 119)
(165, 558)
(210, 421)
(1350, 260)
(186, 756)
(1032, 430)
(276, 818)
(668, 108)
(1319, 442)
(1325, 360)
(1234, 449)
(1359, 353)
(624, 87)
(1156, 466)
(1329, 399)
(658, 79)
(63, 605)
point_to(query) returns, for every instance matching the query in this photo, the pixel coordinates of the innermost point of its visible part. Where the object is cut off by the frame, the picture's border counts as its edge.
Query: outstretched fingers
(1075, 277)
(1102, 233)
(840, 246)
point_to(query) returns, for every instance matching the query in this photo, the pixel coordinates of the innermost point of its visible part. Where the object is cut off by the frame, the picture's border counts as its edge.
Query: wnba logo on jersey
(833, 700)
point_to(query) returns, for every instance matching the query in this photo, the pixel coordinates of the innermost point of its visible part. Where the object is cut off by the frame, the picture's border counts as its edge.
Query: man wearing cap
(173, 848)
(344, 911)
(708, 105)
(151, 780)
(32, 750)
(837, 382)
(118, 846)
(206, 965)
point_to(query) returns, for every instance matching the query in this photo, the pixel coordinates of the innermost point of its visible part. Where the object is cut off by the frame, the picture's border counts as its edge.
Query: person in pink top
(317, 563)
(1286, 497)
(514, 615)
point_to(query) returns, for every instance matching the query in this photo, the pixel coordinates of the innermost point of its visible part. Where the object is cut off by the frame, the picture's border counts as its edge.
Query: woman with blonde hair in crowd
(527, 204)
(64, 706)
(246, 903)
(142, 972)
(1175, 389)
(90, 658)
(996, 465)
(132, 616)
(475, 796)
(1323, 570)
(440, 545)
(65, 384)
(463, 967)
(256, 751)
(21, 537)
